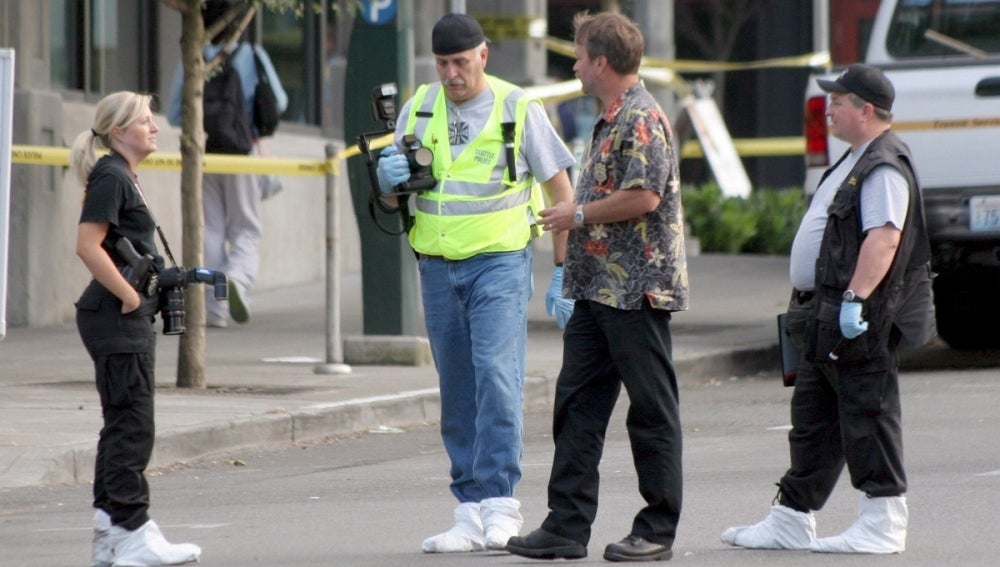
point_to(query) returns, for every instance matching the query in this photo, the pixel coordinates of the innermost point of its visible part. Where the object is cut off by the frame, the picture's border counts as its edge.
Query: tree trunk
(191, 347)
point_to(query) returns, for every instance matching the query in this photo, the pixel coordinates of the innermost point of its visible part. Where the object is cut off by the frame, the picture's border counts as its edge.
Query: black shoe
(541, 544)
(635, 548)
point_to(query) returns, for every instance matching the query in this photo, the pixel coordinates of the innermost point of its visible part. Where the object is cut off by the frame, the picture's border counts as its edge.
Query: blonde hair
(115, 110)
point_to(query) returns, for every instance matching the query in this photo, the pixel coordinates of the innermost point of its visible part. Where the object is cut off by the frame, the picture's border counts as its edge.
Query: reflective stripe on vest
(474, 208)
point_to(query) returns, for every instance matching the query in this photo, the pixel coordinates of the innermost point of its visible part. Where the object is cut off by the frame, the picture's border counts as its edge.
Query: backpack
(265, 104)
(226, 123)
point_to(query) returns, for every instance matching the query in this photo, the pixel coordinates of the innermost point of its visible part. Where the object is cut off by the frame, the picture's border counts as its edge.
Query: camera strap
(163, 239)
(159, 231)
(507, 128)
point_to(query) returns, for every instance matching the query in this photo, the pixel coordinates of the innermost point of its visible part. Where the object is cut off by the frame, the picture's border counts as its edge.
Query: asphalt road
(371, 500)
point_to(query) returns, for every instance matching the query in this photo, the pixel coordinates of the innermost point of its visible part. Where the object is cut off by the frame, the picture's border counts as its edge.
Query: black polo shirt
(113, 196)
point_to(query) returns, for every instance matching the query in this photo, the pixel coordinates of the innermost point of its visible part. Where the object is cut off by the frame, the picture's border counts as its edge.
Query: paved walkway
(262, 387)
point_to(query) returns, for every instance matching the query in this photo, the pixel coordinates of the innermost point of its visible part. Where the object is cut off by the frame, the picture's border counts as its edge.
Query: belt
(803, 296)
(433, 257)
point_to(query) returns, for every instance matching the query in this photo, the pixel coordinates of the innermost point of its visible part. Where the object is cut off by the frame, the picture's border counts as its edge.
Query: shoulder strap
(261, 72)
(159, 231)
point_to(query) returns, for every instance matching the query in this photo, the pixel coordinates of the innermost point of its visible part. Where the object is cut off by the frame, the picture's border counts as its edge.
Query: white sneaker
(146, 547)
(880, 528)
(465, 535)
(102, 550)
(501, 521)
(783, 528)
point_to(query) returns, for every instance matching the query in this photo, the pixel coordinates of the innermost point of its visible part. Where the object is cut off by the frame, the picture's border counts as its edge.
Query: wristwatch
(578, 216)
(851, 297)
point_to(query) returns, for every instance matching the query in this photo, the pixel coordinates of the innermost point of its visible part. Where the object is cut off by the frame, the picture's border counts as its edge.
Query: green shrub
(779, 213)
(764, 223)
(722, 224)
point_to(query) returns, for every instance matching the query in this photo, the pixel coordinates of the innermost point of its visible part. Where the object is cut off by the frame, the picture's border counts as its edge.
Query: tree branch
(230, 40)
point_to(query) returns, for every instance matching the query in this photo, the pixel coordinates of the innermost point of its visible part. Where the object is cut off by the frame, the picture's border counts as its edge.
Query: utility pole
(380, 51)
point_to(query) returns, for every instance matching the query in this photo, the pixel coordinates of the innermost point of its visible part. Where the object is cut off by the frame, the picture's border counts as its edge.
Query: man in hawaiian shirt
(626, 271)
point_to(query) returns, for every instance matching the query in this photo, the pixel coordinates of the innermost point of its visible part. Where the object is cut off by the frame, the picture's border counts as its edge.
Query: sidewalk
(262, 387)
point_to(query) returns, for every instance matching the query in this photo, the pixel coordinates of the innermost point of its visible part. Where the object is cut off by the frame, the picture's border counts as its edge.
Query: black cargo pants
(842, 413)
(123, 350)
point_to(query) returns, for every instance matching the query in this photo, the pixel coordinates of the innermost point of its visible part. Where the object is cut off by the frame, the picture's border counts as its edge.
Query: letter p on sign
(378, 12)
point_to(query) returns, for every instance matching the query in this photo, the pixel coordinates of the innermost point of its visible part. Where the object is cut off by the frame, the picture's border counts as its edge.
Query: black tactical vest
(903, 298)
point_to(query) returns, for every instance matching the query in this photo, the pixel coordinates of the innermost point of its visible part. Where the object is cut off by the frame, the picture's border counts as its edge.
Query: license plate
(984, 213)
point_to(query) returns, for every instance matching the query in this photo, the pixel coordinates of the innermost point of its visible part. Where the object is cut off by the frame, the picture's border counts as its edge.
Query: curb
(75, 464)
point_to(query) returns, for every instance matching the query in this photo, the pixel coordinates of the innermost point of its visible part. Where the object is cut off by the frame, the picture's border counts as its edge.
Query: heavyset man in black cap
(472, 231)
(860, 274)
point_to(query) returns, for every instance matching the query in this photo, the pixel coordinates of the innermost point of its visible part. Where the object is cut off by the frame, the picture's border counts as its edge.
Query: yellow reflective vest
(476, 207)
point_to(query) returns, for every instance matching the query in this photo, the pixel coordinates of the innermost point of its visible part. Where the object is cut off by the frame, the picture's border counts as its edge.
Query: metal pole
(821, 25)
(334, 348)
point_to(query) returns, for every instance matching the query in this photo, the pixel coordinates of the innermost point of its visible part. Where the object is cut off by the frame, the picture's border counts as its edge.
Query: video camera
(140, 272)
(383, 109)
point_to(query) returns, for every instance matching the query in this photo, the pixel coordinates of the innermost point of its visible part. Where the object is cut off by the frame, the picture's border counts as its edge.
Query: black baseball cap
(455, 33)
(866, 81)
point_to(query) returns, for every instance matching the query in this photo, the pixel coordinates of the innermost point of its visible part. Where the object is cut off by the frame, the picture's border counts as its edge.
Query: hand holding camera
(393, 169)
(397, 173)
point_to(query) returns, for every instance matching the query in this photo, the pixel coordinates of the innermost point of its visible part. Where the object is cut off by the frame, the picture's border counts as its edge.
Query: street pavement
(263, 388)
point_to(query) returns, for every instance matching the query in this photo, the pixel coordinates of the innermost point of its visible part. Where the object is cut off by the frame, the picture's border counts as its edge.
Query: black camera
(140, 272)
(139, 269)
(419, 157)
(172, 284)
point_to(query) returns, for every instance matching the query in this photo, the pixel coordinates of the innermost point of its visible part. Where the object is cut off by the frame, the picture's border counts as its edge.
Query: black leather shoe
(541, 544)
(635, 548)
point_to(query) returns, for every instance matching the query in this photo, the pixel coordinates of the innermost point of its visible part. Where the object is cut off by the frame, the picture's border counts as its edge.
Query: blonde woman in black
(115, 321)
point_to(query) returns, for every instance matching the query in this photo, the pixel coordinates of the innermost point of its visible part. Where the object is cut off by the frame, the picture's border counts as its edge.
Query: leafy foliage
(764, 223)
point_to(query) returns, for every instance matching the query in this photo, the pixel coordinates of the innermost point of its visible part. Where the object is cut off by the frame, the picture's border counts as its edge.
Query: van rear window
(944, 28)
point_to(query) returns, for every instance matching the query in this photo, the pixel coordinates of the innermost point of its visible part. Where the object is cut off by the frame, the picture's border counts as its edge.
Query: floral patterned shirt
(621, 264)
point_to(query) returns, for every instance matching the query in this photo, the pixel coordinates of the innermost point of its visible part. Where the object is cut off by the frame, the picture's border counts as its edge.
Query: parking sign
(378, 12)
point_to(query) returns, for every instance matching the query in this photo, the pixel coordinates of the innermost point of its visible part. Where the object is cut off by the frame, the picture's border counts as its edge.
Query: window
(970, 22)
(100, 46)
(293, 43)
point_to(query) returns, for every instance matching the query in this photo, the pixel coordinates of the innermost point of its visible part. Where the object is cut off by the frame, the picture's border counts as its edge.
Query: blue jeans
(475, 311)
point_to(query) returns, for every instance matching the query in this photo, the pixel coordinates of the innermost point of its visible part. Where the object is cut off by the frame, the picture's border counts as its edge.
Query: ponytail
(117, 109)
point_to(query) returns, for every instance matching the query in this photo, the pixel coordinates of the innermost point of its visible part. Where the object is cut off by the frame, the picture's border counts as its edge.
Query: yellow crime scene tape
(666, 73)
(818, 61)
(660, 71)
(214, 163)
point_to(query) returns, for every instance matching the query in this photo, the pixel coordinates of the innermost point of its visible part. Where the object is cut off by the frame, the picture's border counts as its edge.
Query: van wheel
(967, 309)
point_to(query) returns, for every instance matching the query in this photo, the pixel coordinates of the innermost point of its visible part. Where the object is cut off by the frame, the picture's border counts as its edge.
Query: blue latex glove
(555, 303)
(851, 323)
(392, 169)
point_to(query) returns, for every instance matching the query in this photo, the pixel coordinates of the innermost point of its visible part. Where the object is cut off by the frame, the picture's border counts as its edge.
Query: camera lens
(173, 312)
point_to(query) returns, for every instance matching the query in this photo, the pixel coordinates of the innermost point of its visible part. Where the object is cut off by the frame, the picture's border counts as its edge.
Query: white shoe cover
(880, 528)
(103, 552)
(501, 521)
(465, 535)
(783, 528)
(146, 547)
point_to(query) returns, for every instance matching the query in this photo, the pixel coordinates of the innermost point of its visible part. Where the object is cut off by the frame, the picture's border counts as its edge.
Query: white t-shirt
(885, 197)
